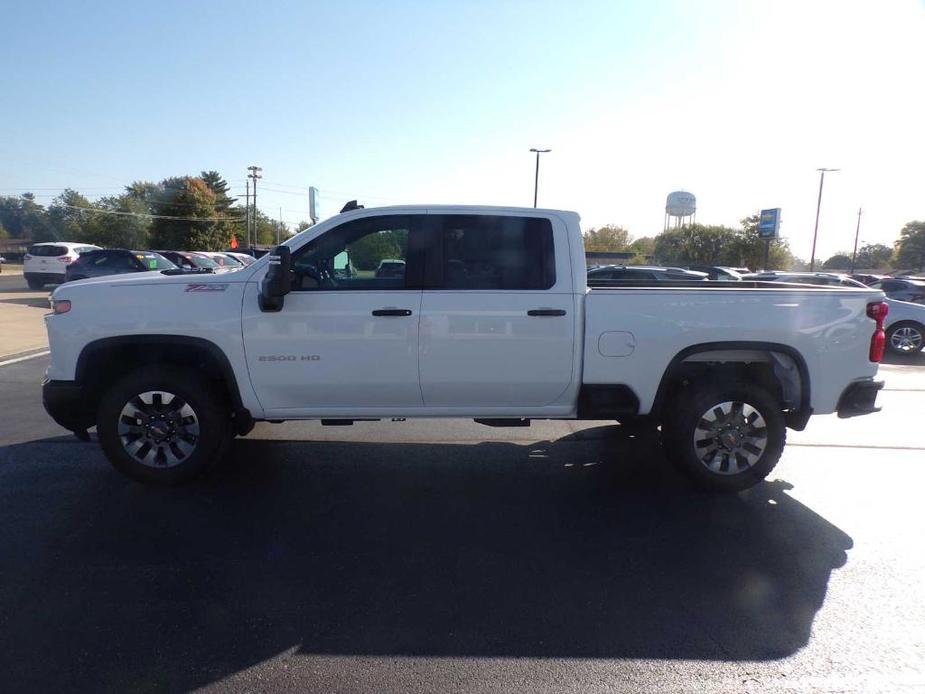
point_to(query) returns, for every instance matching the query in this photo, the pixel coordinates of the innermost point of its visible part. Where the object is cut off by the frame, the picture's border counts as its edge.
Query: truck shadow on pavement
(584, 547)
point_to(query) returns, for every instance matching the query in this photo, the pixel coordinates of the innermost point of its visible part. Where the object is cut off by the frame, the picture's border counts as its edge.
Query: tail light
(67, 259)
(27, 257)
(878, 311)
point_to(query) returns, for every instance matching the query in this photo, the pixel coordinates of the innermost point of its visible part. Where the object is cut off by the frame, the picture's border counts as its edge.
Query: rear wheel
(905, 337)
(34, 283)
(725, 437)
(163, 425)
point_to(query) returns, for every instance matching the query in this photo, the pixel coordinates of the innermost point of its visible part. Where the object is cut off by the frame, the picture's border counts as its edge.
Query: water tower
(682, 206)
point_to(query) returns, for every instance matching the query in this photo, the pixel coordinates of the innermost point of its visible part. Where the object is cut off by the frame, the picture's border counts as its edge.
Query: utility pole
(812, 258)
(857, 233)
(536, 180)
(247, 213)
(254, 175)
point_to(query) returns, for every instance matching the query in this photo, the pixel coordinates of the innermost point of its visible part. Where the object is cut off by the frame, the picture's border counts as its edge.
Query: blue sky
(440, 102)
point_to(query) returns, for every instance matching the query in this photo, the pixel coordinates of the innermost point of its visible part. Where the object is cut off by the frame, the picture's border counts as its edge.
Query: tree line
(700, 244)
(180, 212)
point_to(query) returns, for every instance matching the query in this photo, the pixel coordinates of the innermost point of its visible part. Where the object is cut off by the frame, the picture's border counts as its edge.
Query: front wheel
(725, 437)
(163, 425)
(905, 338)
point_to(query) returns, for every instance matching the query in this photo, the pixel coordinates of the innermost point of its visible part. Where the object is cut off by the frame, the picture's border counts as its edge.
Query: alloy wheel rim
(906, 339)
(730, 437)
(158, 429)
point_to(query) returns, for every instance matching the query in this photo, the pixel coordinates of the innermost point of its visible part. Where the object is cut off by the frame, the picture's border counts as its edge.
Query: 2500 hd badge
(289, 357)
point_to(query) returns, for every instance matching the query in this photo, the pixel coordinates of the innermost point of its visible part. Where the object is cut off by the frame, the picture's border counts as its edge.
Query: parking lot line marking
(28, 356)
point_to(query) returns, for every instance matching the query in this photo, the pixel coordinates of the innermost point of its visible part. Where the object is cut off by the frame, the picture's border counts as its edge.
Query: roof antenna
(352, 205)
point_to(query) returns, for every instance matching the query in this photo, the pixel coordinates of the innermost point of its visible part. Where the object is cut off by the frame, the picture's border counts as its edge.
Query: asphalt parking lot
(449, 556)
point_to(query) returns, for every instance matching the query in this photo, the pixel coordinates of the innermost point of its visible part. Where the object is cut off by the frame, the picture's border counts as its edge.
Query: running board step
(503, 422)
(343, 422)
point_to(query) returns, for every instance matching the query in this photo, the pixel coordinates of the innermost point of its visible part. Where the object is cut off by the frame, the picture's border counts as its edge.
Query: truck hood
(155, 277)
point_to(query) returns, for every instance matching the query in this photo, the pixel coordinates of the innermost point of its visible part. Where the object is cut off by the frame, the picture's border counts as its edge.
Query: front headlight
(60, 305)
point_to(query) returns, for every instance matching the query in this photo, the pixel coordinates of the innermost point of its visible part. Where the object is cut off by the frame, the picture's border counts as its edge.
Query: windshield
(154, 261)
(202, 261)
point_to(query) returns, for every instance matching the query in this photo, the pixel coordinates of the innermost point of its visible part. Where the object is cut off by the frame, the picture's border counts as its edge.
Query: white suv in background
(45, 263)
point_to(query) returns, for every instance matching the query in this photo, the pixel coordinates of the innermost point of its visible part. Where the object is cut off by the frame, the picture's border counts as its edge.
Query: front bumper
(65, 403)
(859, 398)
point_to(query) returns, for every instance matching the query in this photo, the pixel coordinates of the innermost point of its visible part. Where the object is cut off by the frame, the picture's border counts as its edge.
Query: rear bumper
(65, 403)
(45, 277)
(859, 398)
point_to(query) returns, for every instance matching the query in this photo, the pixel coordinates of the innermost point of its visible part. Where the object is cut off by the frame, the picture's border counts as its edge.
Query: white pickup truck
(489, 317)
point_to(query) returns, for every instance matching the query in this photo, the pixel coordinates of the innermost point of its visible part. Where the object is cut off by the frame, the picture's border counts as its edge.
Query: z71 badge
(206, 287)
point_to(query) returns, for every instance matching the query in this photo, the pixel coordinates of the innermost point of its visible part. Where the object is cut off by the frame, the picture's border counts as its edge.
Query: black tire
(209, 410)
(35, 284)
(914, 332)
(709, 463)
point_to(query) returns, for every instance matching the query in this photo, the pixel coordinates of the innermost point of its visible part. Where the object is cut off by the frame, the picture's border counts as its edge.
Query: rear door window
(494, 252)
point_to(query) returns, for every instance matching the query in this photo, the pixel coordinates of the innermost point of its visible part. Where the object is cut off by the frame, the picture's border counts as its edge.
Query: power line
(155, 216)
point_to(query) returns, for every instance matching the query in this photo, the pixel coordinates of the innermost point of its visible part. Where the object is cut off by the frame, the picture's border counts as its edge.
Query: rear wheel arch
(780, 369)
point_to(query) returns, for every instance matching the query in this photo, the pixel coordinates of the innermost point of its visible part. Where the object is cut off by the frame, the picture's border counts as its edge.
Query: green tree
(700, 244)
(70, 219)
(24, 218)
(4, 234)
(696, 244)
(874, 256)
(219, 186)
(122, 222)
(643, 246)
(302, 226)
(187, 218)
(839, 261)
(751, 249)
(910, 248)
(366, 253)
(607, 238)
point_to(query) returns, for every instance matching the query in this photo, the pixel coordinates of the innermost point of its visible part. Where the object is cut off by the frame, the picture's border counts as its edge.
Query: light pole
(536, 180)
(812, 258)
(857, 232)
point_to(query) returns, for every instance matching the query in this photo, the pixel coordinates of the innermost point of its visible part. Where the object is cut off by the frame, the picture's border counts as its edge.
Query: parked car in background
(2, 261)
(905, 327)
(635, 273)
(902, 288)
(868, 279)
(390, 267)
(243, 258)
(223, 260)
(718, 272)
(115, 261)
(187, 260)
(828, 279)
(46, 263)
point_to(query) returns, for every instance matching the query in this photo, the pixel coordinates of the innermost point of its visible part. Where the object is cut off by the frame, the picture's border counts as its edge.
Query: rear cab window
(493, 252)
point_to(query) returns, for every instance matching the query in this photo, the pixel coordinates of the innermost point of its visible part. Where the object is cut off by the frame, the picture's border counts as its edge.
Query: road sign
(769, 223)
(313, 204)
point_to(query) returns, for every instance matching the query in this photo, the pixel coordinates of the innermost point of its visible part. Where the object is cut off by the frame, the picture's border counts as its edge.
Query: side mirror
(277, 282)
